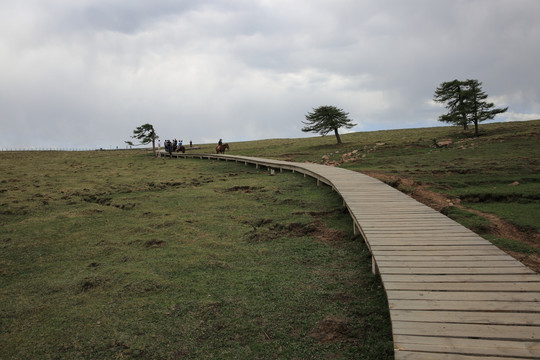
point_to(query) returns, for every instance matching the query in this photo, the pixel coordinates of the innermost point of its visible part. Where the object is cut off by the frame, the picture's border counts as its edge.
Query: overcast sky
(86, 73)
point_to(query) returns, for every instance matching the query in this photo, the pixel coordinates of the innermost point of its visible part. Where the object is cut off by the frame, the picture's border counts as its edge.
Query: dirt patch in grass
(333, 329)
(430, 198)
(499, 227)
(244, 189)
(154, 243)
(164, 185)
(90, 283)
(100, 199)
(265, 230)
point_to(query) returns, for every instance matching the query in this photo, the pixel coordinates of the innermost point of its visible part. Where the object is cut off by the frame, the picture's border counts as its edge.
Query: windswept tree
(325, 119)
(480, 109)
(145, 134)
(466, 103)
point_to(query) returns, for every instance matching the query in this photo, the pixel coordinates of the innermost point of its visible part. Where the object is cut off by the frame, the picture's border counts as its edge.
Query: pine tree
(146, 134)
(325, 119)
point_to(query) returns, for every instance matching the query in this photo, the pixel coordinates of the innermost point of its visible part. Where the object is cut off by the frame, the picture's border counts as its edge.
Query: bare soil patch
(333, 329)
(266, 230)
(244, 189)
(439, 202)
(154, 243)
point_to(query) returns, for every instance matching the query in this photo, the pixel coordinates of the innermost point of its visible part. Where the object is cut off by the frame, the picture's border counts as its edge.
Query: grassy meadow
(117, 255)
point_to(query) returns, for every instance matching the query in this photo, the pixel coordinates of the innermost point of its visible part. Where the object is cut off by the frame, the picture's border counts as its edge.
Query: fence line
(4, 149)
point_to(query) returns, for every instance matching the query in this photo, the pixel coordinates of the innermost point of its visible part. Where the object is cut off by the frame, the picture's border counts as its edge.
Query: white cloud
(86, 73)
(513, 116)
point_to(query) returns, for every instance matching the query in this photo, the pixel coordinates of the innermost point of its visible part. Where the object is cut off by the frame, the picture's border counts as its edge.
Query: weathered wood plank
(467, 317)
(404, 263)
(415, 355)
(500, 257)
(464, 295)
(409, 248)
(463, 286)
(513, 332)
(419, 235)
(523, 349)
(462, 278)
(427, 242)
(448, 305)
(456, 270)
(487, 251)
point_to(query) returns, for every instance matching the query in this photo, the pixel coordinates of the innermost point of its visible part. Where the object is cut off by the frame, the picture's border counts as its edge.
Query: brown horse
(220, 149)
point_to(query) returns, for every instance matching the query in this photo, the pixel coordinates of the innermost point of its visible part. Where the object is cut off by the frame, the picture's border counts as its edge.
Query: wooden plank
(462, 278)
(464, 296)
(487, 251)
(448, 305)
(485, 247)
(463, 286)
(448, 264)
(416, 235)
(523, 349)
(427, 236)
(456, 270)
(363, 211)
(406, 219)
(467, 317)
(415, 226)
(403, 217)
(413, 232)
(415, 355)
(501, 257)
(513, 332)
(428, 242)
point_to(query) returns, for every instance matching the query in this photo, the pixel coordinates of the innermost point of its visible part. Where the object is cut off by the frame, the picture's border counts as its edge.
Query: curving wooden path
(452, 294)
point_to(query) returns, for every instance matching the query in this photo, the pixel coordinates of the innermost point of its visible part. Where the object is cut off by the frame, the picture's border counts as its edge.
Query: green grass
(472, 221)
(525, 215)
(515, 246)
(119, 255)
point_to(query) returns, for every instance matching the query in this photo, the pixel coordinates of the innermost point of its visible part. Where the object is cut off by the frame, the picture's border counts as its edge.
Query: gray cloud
(86, 73)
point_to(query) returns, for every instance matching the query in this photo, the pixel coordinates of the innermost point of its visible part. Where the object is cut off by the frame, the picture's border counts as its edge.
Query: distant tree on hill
(325, 119)
(146, 134)
(465, 103)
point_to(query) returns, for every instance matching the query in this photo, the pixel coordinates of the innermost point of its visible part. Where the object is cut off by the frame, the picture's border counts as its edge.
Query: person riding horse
(220, 149)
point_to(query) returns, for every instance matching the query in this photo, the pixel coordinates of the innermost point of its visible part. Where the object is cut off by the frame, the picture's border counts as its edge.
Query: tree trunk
(154, 141)
(475, 128)
(337, 136)
(461, 107)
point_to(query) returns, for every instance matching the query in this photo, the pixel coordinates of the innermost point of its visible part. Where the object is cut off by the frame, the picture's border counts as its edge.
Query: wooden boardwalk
(451, 294)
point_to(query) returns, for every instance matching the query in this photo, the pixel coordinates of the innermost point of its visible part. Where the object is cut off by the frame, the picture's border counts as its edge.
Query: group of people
(174, 145)
(171, 146)
(177, 145)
